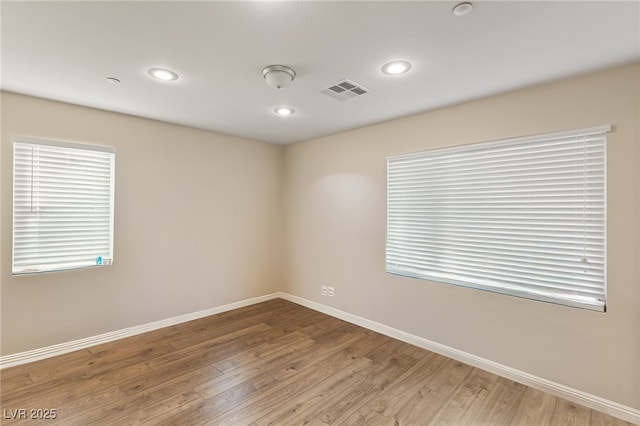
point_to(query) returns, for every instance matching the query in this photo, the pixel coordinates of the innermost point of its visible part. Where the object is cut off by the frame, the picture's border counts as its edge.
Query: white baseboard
(63, 348)
(591, 401)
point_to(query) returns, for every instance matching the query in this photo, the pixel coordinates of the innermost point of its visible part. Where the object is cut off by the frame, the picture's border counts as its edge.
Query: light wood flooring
(273, 363)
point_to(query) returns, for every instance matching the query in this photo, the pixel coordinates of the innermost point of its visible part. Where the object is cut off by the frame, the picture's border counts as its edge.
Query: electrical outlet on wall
(323, 290)
(331, 291)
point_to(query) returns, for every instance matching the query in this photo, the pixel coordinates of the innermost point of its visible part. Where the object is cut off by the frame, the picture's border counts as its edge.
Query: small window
(62, 205)
(523, 217)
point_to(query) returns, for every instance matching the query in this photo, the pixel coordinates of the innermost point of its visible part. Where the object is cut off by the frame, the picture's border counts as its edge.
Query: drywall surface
(197, 225)
(335, 235)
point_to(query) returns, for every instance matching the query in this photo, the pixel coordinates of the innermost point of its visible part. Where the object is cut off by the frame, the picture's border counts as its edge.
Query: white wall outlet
(323, 290)
(331, 291)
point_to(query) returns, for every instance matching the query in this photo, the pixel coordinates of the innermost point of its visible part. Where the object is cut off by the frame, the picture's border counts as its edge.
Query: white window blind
(62, 205)
(524, 217)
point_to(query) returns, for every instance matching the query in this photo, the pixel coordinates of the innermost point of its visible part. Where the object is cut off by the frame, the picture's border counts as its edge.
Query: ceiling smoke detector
(278, 76)
(462, 9)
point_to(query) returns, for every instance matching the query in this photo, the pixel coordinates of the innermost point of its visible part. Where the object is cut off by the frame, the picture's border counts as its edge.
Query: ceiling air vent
(343, 90)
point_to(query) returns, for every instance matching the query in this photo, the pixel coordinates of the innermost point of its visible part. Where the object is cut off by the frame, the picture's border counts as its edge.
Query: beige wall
(197, 225)
(335, 212)
(199, 218)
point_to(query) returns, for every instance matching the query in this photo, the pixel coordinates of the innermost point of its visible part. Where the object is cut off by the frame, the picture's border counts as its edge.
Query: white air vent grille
(343, 90)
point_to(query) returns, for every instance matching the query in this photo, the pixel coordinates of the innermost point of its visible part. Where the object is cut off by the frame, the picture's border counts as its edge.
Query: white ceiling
(66, 50)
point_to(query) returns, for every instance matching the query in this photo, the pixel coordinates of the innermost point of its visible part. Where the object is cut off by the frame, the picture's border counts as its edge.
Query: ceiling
(66, 50)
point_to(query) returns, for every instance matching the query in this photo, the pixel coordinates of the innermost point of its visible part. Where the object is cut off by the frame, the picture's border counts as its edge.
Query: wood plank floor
(273, 363)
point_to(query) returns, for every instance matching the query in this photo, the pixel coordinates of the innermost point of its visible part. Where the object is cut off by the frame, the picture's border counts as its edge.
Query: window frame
(77, 156)
(446, 276)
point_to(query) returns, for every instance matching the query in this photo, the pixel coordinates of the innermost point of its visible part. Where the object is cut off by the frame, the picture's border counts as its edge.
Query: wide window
(62, 205)
(524, 217)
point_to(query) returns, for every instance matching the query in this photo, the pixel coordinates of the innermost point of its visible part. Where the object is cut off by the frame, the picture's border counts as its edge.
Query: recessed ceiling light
(462, 9)
(284, 111)
(162, 74)
(396, 67)
(113, 80)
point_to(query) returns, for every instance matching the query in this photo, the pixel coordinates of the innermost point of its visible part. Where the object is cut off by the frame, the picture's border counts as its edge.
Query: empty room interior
(320, 212)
